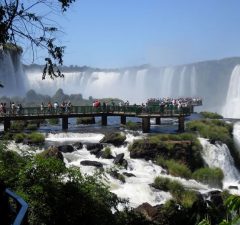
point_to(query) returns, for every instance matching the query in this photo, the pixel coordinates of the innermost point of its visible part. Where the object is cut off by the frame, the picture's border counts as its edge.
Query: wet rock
(78, 145)
(66, 148)
(53, 152)
(91, 163)
(233, 187)
(93, 146)
(102, 154)
(116, 138)
(212, 141)
(95, 151)
(119, 159)
(27, 141)
(125, 163)
(115, 174)
(128, 174)
(149, 211)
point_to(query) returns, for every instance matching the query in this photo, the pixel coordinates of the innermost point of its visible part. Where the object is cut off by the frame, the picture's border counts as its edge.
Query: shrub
(211, 176)
(179, 193)
(32, 126)
(85, 120)
(19, 137)
(174, 167)
(212, 129)
(178, 169)
(132, 125)
(211, 115)
(17, 125)
(53, 121)
(107, 152)
(36, 138)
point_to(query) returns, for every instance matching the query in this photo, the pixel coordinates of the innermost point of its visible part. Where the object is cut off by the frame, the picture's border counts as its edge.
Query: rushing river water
(136, 189)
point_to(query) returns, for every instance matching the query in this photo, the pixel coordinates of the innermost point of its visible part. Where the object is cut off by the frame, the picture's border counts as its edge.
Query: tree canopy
(21, 22)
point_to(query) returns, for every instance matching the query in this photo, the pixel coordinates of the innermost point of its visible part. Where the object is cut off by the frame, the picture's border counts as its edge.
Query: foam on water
(218, 155)
(69, 136)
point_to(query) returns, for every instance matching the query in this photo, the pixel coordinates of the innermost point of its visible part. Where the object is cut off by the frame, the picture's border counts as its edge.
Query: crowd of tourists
(64, 107)
(15, 109)
(177, 102)
(111, 105)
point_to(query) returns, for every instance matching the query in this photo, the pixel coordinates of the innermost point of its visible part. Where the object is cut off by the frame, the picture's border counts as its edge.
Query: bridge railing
(131, 109)
(18, 208)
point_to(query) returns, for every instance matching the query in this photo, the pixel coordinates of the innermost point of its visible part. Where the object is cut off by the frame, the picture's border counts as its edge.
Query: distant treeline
(34, 99)
(75, 68)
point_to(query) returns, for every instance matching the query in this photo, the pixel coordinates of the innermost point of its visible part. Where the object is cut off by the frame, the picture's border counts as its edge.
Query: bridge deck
(87, 111)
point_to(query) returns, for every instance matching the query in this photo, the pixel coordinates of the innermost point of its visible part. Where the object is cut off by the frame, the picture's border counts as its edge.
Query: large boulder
(92, 146)
(149, 211)
(91, 163)
(52, 151)
(119, 159)
(115, 174)
(116, 138)
(78, 145)
(66, 148)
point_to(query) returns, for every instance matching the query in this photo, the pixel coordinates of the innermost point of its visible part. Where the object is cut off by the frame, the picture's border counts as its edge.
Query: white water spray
(232, 106)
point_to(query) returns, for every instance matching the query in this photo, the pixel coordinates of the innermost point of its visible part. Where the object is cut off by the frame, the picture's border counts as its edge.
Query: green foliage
(233, 206)
(17, 125)
(19, 137)
(211, 176)
(85, 120)
(53, 121)
(184, 197)
(184, 148)
(212, 129)
(32, 126)
(10, 164)
(174, 168)
(36, 138)
(132, 125)
(107, 152)
(211, 115)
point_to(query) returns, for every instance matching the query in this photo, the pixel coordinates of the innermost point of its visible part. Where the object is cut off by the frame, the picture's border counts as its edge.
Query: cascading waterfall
(12, 75)
(136, 188)
(232, 106)
(135, 86)
(208, 80)
(218, 155)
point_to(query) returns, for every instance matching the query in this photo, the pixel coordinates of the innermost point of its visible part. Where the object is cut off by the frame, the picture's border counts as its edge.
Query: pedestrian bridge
(146, 113)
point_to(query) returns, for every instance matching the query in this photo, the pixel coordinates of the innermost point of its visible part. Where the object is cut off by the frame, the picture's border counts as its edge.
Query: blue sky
(120, 33)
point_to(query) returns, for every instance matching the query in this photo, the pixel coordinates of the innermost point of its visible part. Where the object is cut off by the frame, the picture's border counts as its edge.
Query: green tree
(20, 21)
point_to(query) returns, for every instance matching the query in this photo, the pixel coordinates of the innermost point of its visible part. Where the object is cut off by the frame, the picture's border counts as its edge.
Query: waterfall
(232, 106)
(11, 74)
(133, 85)
(218, 155)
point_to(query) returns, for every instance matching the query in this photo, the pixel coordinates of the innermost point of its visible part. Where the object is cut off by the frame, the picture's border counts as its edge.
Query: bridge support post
(104, 120)
(181, 125)
(7, 124)
(123, 120)
(158, 120)
(65, 123)
(191, 109)
(145, 125)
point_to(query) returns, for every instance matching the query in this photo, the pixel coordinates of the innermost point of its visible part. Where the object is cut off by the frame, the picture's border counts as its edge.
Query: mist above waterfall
(215, 81)
(208, 80)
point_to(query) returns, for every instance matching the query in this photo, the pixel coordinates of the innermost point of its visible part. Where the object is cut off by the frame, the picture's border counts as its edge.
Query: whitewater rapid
(137, 189)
